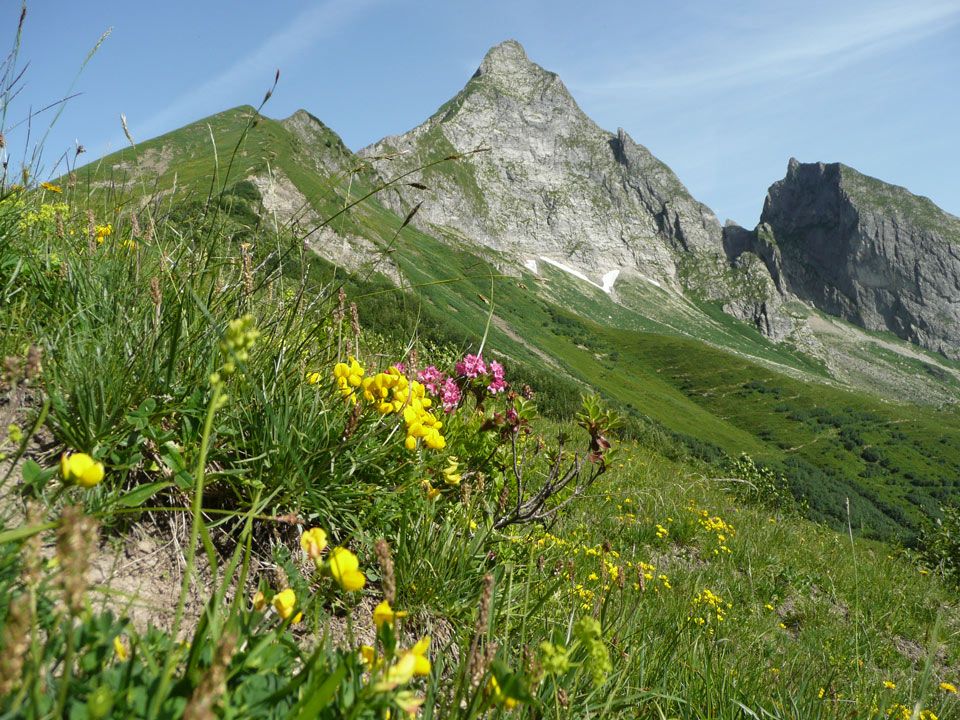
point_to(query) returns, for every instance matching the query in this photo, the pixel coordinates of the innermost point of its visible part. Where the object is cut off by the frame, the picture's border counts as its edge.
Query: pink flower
(450, 394)
(402, 367)
(497, 384)
(431, 379)
(472, 366)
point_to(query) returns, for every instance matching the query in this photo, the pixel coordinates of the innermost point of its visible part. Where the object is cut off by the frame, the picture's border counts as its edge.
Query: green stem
(67, 670)
(197, 506)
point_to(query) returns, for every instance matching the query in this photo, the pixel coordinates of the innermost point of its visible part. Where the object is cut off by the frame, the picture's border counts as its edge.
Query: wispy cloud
(253, 74)
(786, 47)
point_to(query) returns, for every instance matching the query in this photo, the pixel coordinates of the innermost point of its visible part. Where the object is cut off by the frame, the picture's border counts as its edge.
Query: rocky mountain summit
(866, 251)
(573, 217)
(553, 185)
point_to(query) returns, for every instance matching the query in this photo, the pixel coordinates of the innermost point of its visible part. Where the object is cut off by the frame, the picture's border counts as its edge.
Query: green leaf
(320, 697)
(31, 471)
(35, 477)
(142, 493)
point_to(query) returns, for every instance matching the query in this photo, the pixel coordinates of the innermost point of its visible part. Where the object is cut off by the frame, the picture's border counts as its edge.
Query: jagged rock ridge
(553, 184)
(556, 186)
(866, 251)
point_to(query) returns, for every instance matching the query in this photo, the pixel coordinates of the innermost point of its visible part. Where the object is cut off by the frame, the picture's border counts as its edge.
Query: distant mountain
(867, 251)
(583, 258)
(554, 184)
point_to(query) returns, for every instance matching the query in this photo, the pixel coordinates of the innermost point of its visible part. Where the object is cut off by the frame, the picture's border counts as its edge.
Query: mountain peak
(506, 58)
(507, 63)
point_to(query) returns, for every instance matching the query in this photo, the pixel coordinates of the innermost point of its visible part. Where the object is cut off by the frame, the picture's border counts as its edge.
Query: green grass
(131, 337)
(683, 364)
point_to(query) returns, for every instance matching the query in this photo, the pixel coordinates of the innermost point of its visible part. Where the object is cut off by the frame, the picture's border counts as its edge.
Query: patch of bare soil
(686, 557)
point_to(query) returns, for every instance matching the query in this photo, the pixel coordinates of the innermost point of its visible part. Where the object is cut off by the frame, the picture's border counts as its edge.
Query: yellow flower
(413, 662)
(429, 489)
(348, 376)
(314, 542)
(81, 469)
(121, 649)
(51, 188)
(370, 658)
(889, 685)
(284, 602)
(344, 568)
(948, 687)
(259, 601)
(399, 673)
(419, 652)
(313, 378)
(449, 473)
(493, 687)
(383, 613)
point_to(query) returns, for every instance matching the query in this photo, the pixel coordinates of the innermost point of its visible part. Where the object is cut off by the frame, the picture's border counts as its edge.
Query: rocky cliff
(553, 184)
(866, 251)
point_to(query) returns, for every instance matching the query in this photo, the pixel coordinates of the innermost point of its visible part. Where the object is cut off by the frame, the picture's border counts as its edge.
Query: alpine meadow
(488, 419)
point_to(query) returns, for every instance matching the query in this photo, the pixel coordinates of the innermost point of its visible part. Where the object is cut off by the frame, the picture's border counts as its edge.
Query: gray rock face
(553, 184)
(869, 252)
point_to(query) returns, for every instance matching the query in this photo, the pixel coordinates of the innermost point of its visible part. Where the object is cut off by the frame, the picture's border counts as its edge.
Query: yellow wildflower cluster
(348, 376)
(411, 662)
(51, 188)
(581, 591)
(102, 231)
(393, 668)
(343, 566)
(709, 607)
(391, 392)
(284, 602)
(717, 525)
(450, 478)
(43, 217)
(902, 712)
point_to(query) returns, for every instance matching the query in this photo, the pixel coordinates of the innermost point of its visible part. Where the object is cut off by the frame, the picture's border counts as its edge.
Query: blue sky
(723, 92)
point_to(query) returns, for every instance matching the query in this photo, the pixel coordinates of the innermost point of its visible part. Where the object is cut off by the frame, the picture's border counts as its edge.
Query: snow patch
(531, 265)
(609, 279)
(568, 269)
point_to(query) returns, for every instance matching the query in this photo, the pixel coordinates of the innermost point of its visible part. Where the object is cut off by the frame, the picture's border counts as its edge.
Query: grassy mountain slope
(185, 366)
(684, 364)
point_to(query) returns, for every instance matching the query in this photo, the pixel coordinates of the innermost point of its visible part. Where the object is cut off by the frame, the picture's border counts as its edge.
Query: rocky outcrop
(553, 184)
(868, 252)
(318, 142)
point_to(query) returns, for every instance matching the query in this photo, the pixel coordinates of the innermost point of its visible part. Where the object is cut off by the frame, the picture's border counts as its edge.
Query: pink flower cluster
(450, 394)
(439, 383)
(497, 383)
(471, 367)
(431, 379)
